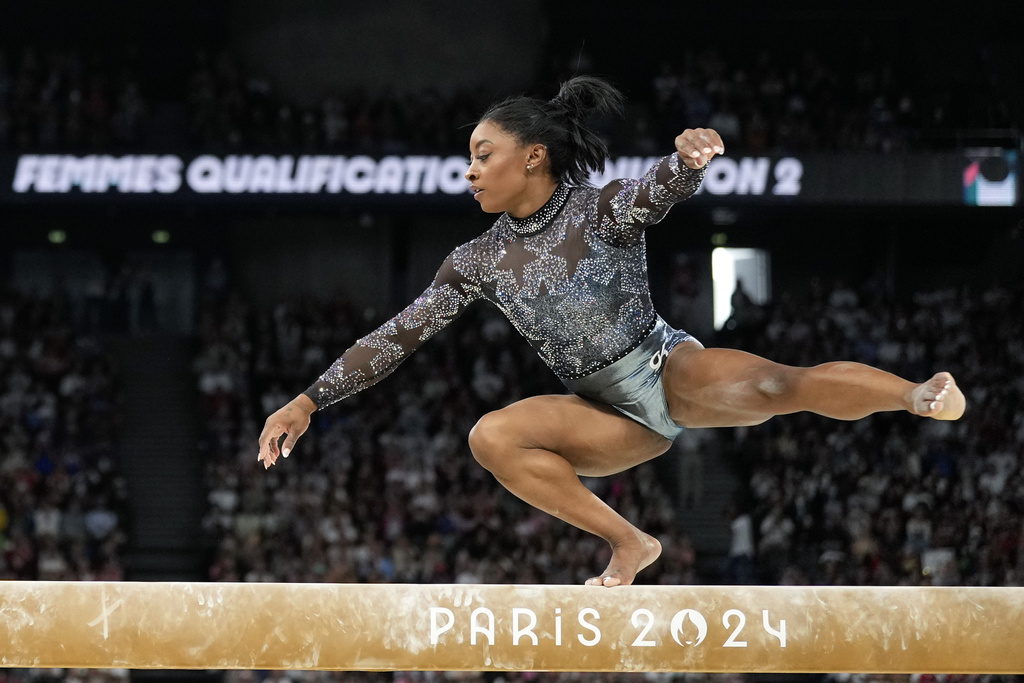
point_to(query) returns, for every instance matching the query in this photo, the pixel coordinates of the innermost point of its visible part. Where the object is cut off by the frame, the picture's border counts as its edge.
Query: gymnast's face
(497, 169)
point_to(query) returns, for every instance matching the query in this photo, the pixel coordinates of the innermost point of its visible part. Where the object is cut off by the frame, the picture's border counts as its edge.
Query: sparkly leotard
(572, 278)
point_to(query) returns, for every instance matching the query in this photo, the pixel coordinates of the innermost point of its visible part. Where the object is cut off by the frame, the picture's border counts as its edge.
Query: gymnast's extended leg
(725, 387)
(536, 448)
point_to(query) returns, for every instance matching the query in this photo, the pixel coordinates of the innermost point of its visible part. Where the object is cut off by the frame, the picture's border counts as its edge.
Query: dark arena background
(204, 203)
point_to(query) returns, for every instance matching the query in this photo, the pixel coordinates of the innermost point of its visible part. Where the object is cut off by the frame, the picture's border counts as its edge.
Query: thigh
(596, 439)
(721, 387)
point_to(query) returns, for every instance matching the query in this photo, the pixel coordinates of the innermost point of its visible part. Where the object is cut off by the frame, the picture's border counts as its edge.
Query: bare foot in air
(627, 561)
(939, 398)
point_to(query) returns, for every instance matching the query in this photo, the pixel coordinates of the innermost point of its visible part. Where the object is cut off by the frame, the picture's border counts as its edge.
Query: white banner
(354, 175)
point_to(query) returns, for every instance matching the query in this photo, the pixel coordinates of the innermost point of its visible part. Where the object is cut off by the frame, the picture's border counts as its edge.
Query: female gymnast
(566, 264)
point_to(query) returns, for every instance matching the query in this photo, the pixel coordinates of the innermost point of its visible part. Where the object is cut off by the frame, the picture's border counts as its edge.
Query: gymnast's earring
(529, 168)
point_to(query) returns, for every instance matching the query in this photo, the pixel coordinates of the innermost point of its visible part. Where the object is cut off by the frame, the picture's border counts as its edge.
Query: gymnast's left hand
(697, 146)
(291, 420)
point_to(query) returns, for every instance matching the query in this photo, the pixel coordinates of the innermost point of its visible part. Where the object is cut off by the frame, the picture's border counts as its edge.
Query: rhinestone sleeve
(571, 278)
(376, 355)
(628, 206)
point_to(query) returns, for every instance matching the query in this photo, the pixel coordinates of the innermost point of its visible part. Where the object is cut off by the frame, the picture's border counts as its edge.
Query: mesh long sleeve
(628, 206)
(571, 278)
(376, 355)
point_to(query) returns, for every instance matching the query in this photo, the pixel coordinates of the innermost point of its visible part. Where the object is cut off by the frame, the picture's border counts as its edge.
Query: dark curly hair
(559, 124)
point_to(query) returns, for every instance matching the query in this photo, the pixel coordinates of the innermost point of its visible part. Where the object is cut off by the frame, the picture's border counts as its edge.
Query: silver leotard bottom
(632, 385)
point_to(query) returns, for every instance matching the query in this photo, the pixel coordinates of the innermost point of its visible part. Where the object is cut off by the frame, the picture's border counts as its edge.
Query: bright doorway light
(730, 266)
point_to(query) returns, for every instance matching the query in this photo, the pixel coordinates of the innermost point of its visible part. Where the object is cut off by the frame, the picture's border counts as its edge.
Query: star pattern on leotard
(337, 381)
(428, 314)
(388, 349)
(574, 284)
(625, 209)
(548, 270)
(571, 351)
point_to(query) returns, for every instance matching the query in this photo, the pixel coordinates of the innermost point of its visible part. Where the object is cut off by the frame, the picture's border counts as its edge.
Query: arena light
(729, 267)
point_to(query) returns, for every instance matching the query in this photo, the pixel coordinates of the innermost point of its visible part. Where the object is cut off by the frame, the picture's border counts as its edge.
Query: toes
(606, 581)
(933, 395)
(940, 398)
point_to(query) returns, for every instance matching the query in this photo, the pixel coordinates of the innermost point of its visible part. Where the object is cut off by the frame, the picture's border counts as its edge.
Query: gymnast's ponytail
(560, 125)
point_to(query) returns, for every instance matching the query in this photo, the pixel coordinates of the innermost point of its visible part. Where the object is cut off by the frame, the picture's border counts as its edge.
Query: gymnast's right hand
(293, 420)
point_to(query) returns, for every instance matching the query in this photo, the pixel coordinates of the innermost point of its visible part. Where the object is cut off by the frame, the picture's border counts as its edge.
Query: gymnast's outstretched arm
(628, 206)
(371, 358)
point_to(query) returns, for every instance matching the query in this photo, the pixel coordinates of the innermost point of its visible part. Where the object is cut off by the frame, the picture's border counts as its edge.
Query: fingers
(290, 421)
(272, 431)
(697, 146)
(289, 442)
(270, 438)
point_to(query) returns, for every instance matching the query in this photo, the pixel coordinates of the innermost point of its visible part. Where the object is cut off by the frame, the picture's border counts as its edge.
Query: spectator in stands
(443, 500)
(886, 501)
(65, 101)
(529, 446)
(61, 498)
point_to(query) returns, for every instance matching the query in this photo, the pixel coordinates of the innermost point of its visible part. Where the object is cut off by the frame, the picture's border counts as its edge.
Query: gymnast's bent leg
(728, 388)
(537, 447)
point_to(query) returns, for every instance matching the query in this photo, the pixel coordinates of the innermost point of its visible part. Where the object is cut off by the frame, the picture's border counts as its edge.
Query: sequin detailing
(543, 216)
(572, 278)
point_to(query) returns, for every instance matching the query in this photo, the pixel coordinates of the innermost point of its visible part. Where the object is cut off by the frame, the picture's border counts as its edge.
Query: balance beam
(472, 628)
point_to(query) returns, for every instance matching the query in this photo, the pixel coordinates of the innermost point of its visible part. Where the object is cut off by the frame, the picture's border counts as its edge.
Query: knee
(489, 439)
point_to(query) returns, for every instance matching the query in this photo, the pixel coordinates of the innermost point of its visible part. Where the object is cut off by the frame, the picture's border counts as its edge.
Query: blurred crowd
(889, 500)
(775, 103)
(886, 500)
(812, 102)
(63, 499)
(65, 675)
(62, 496)
(69, 101)
(230, 108)
(383, 487)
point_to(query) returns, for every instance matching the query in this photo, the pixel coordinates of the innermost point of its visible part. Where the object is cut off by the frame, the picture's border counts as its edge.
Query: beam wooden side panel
(471, 627)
